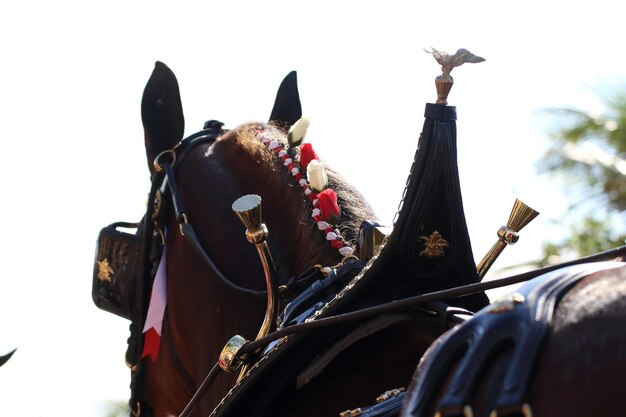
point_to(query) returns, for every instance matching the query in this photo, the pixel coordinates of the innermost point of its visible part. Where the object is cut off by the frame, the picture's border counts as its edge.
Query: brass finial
(444, 81)
(520, 216)
(248, 209)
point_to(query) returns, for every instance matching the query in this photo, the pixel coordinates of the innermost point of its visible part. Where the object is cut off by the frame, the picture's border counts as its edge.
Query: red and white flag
(156, 310)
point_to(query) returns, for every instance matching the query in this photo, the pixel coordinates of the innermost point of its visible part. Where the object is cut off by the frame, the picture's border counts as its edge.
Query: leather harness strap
(520, 321)
(187, 230)
(424, 298)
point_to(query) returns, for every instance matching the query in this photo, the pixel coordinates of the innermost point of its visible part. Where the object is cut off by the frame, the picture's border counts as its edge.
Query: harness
(323, 304)
(522, 321)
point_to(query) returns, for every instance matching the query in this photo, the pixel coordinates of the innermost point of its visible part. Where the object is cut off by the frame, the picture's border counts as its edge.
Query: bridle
(164, 180)
(164, 186)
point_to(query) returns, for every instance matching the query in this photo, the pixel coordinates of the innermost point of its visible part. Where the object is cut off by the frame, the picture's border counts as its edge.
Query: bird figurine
(448, 61)
(444, 81)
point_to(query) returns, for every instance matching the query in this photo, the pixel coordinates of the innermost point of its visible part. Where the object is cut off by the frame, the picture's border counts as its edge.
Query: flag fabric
(156, 310)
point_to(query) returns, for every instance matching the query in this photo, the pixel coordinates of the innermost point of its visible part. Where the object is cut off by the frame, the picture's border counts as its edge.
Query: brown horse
(555, 348)
(215, 283)
(208, 302)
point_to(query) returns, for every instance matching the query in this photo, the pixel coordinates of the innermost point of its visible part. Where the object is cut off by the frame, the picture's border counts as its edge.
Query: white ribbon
(158, 297)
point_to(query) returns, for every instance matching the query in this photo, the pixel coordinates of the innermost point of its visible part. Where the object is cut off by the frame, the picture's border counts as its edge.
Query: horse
(215, 282)
(215, 286)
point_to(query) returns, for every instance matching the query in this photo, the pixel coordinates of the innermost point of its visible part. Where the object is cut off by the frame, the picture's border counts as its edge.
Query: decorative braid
(289, 159)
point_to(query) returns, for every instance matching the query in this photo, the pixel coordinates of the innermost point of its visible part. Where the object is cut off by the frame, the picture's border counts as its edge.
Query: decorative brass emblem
(434, 245)
(351, 413)
(389, 394)
(105, 272)
(506, 303)
(156, 209)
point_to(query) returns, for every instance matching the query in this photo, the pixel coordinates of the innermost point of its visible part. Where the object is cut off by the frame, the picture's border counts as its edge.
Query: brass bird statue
(448, 61)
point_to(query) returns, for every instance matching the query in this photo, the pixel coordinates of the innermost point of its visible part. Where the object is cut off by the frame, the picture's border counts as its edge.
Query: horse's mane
(354, 208)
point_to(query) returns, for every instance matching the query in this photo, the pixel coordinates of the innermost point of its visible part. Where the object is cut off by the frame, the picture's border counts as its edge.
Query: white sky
(71, 79)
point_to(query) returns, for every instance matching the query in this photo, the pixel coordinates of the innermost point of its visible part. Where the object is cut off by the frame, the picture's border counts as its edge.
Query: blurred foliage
(588, 152)
(117, 409)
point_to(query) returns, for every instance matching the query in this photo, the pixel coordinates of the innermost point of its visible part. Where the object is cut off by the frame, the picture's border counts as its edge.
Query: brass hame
(248, 210)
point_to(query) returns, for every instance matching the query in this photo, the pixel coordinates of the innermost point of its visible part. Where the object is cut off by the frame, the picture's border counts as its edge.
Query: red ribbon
(151, 344)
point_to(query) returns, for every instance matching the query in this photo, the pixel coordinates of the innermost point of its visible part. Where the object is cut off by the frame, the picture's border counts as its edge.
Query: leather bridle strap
(394, 306)
(202, 389)
(187, 230)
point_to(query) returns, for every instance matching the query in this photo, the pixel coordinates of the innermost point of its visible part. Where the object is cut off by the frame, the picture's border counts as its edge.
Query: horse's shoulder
(599, 296)
(517, 326)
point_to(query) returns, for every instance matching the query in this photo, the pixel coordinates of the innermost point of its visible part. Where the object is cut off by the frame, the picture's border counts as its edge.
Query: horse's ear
(161, 112)
(287, 107)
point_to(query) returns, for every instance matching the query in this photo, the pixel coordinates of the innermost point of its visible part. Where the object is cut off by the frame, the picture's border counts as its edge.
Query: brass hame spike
(520, 216)
(248, 209)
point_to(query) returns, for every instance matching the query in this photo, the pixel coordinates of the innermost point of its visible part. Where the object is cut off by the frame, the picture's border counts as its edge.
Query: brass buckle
(159, 233)
(180, 224)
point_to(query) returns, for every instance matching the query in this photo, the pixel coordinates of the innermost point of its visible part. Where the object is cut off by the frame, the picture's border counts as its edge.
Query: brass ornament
(351, 413)
(444, 82)
(229, 361)
(156, 208)
(105, 272)
(389, 394)
(434, 245)
(248, 210)
(520, 216)
(506, 303)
